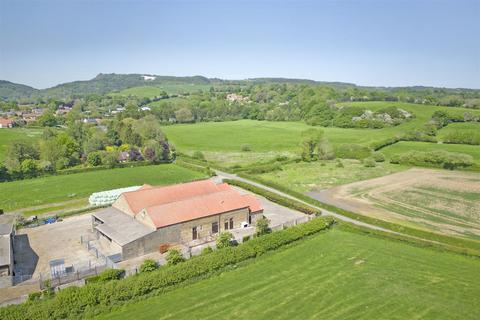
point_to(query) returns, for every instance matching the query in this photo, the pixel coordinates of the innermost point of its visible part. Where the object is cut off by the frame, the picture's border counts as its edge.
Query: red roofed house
(140, 221)
(6, 123)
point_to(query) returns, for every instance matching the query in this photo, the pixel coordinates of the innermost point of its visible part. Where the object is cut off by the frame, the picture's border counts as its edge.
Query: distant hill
(106, 83)
(12, 91)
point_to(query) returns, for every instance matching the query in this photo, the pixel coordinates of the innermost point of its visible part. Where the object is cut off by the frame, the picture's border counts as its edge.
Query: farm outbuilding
(140, 221)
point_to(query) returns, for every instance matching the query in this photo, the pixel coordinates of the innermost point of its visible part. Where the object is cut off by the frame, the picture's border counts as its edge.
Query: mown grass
(405, 146)
(9, 135)
(54, 189)
(334, 275)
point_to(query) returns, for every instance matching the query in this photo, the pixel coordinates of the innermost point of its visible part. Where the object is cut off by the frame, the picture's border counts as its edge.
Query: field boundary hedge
(94, 298)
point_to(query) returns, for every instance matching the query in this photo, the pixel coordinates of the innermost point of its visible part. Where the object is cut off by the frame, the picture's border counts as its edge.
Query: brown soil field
(437, 200)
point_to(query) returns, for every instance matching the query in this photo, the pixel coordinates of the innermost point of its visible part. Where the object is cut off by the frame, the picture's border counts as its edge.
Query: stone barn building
(140, 221)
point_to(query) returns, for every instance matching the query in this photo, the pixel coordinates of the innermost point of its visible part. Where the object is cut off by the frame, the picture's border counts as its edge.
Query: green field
(405, 146)
(309, 176)
(8, 135)
(464, 128)
(54, 189)
(154, 91)
(334, 275)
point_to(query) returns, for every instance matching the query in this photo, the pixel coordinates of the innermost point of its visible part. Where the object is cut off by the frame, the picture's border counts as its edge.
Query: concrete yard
(35, 247)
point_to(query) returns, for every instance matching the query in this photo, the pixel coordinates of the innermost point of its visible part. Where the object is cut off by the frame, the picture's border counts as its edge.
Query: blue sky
(382, 43)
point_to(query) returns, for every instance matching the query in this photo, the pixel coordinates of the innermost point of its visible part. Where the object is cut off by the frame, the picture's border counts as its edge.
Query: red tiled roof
(5, 122)
(148, 196)
(201, 206)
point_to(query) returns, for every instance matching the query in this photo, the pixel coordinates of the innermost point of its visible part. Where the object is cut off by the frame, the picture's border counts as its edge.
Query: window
(215, 227)
(226, 224)
(194, 233)
(231, 223)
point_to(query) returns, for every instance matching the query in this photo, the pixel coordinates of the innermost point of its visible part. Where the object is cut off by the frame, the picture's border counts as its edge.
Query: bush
(444, 159)
(34, 296)
(246, 238)
(94, 159)
(206, 250)
(224, 240)
(106, 275)
(246, 147)
(148, 265)
(262, 227)
(174, 257)
(369, 163)
(378, 156)
(339, 164)
(198, 155)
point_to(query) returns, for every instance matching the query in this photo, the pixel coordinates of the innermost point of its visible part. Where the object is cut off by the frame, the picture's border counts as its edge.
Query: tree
(184, 115)
(310, 140)
(325, 150)
(224, 240)
(174, 257)
(94, 159)
(262, 227)
(148, 265)
(17, 152)
(29, 168)
(47, 119)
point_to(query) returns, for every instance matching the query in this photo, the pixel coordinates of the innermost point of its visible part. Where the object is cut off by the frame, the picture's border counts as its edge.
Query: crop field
(405, 146)
(153, 91)
(311, 176)
(55, 189)
(9, 135)
(443, 201)
(334, 275)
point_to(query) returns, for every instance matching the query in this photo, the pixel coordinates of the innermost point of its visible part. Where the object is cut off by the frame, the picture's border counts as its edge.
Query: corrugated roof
(120, 227)
(201, 206)
(149, 196)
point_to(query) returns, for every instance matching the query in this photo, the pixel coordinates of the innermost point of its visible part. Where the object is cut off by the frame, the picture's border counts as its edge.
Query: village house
(140, 221)
(7, 123)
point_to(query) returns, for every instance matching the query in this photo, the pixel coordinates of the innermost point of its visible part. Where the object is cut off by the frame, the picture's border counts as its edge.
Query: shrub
(246, 147)
(198, 155)
(206, 250)
(378, 156)
(148, 265)
(262, 227)
(246, 238)
(174, 257)
(34, 296)
(369, 163)
(107, 275)
(339, 164)
(444, 159)
(224, 240)
(94, 159)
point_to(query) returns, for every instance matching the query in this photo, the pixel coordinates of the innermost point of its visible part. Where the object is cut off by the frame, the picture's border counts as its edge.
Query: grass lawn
(304, 176)
(404, 146)
(8, 135)
(54, 189)
(334, 275)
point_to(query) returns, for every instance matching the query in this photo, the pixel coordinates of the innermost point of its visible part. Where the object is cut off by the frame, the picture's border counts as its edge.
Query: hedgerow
(94, 298)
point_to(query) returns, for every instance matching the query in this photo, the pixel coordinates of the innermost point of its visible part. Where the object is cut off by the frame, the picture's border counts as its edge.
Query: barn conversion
(140, 221)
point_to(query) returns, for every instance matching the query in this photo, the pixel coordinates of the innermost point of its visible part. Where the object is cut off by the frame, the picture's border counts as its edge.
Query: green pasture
(9, 135)
(55, 189)
(334, 275)
(154, 91)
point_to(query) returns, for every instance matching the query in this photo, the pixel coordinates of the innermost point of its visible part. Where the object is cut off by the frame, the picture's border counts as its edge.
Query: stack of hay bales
(108, 197)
